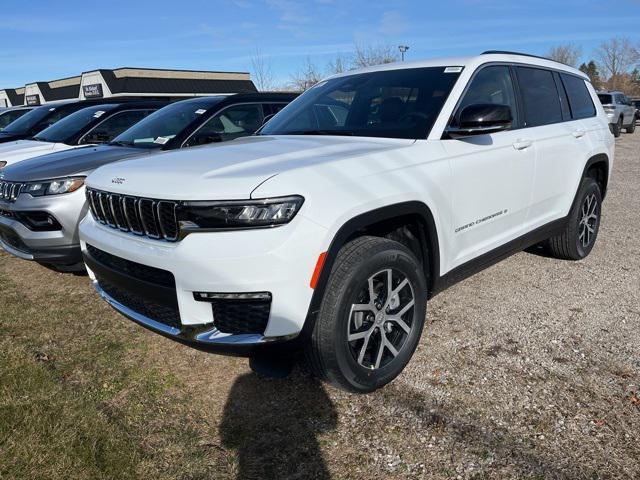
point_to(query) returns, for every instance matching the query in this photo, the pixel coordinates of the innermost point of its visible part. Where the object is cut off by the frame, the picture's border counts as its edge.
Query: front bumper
(59, 247)
(278, 260)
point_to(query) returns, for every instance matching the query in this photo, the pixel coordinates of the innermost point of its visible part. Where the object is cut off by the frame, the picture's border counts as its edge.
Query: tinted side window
(490, 85)
(540, 97)
(114, 126)
(579, 98)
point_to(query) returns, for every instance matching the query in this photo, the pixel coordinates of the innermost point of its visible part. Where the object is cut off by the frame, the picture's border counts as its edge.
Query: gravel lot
(530, 369)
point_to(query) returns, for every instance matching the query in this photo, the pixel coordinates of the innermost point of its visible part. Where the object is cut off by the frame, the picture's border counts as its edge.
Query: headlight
(238, 214)
(53, 187)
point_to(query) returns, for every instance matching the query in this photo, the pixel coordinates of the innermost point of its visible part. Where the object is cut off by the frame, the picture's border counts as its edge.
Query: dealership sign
(93, 91)
(33, 100)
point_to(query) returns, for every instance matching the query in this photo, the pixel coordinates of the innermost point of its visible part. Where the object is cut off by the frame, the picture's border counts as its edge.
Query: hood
(18, 151)
(80, 161)
(230, 170)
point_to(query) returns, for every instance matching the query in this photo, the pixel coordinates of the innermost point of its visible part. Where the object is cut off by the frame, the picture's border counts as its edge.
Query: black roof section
(15, 95)
(154, 81)
(62, 89)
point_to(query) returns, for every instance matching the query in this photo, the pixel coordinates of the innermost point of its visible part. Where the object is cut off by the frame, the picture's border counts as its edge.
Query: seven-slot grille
(155, 219)
(10, 191)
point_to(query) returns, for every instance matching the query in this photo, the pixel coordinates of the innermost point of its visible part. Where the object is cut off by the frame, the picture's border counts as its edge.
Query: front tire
(579, 236)
(371, 316)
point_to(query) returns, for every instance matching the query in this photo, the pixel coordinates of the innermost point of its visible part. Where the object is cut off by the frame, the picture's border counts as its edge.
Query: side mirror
(482, 119)
(97, 137)
(209, 138)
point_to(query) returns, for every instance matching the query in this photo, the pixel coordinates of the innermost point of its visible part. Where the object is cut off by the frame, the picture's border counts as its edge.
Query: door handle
(578, 133)
(521, 144)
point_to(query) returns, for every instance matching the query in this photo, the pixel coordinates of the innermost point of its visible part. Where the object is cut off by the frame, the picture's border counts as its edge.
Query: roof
(15, 95)
(62, 89)
(154, 81)
(470, 63)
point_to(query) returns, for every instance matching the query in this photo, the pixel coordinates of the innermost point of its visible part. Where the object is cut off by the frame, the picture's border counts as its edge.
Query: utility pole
(403, 49)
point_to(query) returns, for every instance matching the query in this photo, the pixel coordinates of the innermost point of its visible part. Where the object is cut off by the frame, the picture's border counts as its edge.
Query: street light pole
(403, 49)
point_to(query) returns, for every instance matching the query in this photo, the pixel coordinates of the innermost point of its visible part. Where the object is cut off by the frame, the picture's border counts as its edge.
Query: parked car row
(327, 230)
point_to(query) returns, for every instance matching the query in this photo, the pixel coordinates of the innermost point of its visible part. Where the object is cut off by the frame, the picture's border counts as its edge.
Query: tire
(363, 265)
(577, 239)
(632, 127)
(617, 128)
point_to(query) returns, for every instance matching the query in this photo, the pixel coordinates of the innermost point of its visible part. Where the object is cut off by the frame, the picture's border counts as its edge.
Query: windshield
(393, 104)
(160, 127)
(39, 118)
(68, 127)
(9, 116)
(29, 120)
(605, 99)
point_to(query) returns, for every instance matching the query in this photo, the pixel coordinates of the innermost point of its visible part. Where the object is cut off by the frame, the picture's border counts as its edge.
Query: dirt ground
(530, 369)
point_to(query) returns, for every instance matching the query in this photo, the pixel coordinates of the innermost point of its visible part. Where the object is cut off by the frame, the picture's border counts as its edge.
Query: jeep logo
(117, 180)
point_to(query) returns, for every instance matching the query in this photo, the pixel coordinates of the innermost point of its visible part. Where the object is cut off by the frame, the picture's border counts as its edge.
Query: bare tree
(338, 65)
(366, 56)
(306, 77)
(262, 70)
(616, 57)
(569, 54)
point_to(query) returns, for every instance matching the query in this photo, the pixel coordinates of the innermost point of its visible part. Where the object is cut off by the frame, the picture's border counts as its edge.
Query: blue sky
(44, 40)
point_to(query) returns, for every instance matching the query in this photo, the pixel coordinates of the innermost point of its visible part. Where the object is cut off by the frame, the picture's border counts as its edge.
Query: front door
(491, 174)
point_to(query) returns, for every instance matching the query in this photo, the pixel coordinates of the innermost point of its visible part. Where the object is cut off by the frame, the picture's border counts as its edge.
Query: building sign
(93, 91)
(32, 100)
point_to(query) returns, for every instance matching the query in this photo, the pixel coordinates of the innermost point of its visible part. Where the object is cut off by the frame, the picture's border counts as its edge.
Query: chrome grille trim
(154, 219)
(10, 191)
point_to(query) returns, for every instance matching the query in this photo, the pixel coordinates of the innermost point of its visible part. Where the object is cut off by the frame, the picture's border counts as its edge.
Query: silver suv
(620, 111)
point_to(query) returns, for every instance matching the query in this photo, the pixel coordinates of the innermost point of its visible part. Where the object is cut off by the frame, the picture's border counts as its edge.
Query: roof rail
(506, 52)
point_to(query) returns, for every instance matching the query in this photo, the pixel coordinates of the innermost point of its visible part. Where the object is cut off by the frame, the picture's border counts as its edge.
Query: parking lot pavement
(530, 369)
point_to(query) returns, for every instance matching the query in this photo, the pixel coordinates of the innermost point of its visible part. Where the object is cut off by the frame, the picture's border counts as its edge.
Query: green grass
(77, 401)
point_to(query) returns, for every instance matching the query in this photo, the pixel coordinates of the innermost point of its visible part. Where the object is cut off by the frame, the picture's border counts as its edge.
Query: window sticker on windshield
(161, 140)
(453, 70)
(200, 111)
(98, 114)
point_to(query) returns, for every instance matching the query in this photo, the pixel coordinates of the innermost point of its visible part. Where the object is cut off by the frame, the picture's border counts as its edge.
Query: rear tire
(631, 128)
(579, 236)
(617, 128)
(371, 316)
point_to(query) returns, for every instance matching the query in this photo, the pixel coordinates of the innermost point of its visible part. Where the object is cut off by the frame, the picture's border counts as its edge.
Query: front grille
(138, 271)
(159, 313)
(10, 191)
(239, 317)
(154, 219)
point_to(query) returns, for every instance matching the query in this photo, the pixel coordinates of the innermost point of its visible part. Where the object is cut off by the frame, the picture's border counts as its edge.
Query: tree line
(614, 65)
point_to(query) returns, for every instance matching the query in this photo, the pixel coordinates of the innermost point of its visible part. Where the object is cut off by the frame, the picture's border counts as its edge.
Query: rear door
(561, 141)
(491, 174)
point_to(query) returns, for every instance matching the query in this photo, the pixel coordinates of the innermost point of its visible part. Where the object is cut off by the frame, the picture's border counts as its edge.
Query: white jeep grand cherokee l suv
(328, 231)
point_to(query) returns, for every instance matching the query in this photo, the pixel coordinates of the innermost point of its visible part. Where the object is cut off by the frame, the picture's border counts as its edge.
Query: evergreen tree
(591, 69)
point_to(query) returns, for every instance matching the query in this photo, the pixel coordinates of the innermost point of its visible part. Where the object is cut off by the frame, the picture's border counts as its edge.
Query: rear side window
(579, 98)
(540, 97)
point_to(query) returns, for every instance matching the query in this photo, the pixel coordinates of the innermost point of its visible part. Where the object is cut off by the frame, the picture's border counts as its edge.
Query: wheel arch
(394, 216)
(597, 167)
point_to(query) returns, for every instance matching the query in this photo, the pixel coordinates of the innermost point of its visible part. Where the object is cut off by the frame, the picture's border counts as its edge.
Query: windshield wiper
(122, 143)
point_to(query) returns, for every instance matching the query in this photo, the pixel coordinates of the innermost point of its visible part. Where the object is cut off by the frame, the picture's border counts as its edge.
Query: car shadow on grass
(274, 424)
